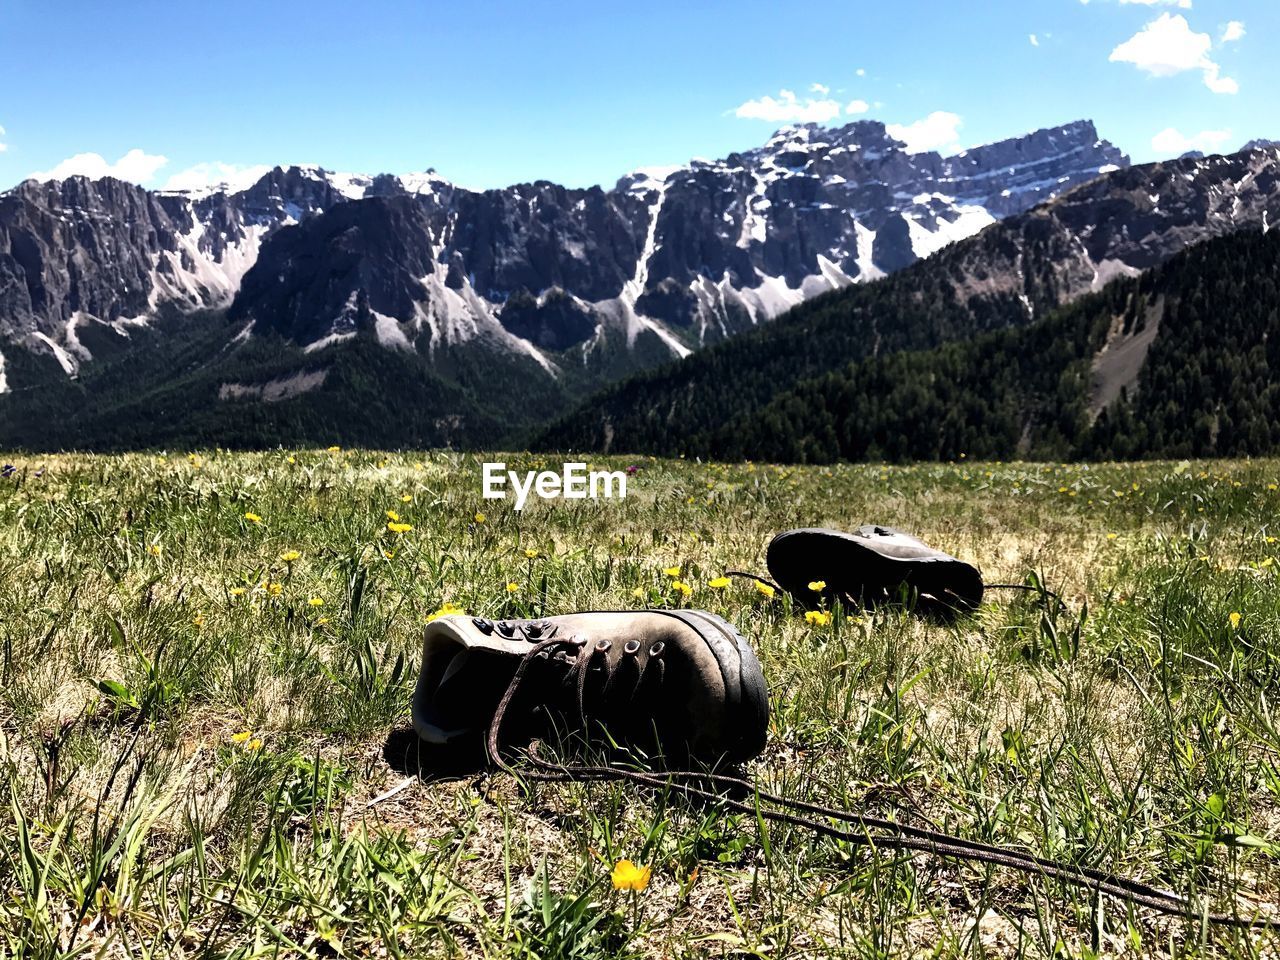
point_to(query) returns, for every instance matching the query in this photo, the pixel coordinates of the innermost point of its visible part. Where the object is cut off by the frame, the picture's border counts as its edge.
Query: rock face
(78, 254)
(675, 258)
(1120, 224)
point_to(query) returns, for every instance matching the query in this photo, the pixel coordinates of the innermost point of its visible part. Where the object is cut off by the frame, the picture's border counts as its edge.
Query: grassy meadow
(207, 658)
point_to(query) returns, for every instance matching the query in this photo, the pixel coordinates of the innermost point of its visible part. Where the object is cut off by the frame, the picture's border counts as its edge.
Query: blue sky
(491, 93)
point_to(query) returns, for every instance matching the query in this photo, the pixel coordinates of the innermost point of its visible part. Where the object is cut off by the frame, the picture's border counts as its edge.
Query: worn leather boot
(683, 682)
(869, 567)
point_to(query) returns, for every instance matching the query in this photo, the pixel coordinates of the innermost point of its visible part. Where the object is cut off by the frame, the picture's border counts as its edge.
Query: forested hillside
(1207, 386)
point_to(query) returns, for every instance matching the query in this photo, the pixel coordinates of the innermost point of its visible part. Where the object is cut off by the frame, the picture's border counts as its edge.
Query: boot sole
(852, 569)
(746, 696)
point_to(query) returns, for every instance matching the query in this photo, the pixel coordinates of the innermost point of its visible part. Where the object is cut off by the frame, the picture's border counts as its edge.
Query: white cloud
(821, 89)
(205, 175)
(1233, 31)
(939, 130)
(3, 146)
(1214, 80)
(788, 108)
(135, 166)
(861, 72)
(1035, 41)
(1167, 46)
(1171, 143)
(855, 107)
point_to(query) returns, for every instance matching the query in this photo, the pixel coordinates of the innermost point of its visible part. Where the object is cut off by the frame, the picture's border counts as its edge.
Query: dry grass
(1132, 731)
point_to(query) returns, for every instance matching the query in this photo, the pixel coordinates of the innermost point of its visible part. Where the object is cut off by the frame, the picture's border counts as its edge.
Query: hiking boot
(681, 681)
(874, 565)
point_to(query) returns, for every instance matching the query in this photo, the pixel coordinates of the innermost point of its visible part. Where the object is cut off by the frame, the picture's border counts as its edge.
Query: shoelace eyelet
(482, 624)
(657, 648)
(632, 647)
(602, 646)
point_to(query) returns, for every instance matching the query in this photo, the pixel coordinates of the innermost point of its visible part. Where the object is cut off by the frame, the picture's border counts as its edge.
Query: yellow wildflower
(253, 517)
(682, 588)
(316, 602)
(293, 460)
(817, 618)
(480, 518)
(719, 583)
(254, 744)
(627, 876)
(393, 516)
(389, 554)
(198, 620)
(512, 586)
(322, 621)
(399, 527)
(291, 556)
(764, 589)
(335, 449)
(1112, 536)
(155, 549)
(241, 737)
(275, 589)
(1235, 619)
(237, 591)
(671, 571)
(531, 553)
(638, 593)
(447, 609)
(817, 586)
(406, 498)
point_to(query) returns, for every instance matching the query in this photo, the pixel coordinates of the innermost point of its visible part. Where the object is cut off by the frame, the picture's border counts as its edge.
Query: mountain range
(1009, 276)
(406, 310)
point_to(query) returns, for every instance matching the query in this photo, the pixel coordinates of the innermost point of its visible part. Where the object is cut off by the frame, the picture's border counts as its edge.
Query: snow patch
(1107, 270)
(65, 360)
(4, 379)
(832, 273)
(72, 341)
(754, 224)
(328, 341)
(971, 219)
(389, 332)
(426, 182)
(209, 282)
(121, 325)
(281, 388)
(624, 305)
(867, 269)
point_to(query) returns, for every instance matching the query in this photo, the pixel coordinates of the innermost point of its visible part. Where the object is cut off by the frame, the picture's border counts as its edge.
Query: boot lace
(853, 828)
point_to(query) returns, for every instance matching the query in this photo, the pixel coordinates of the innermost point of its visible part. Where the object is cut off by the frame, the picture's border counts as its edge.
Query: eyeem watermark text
(573, 482)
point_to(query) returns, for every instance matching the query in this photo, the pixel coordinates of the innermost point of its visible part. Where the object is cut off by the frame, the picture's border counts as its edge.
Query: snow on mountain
(678, 256)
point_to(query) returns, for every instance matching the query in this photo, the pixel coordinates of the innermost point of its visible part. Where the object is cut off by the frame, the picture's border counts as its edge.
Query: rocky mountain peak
(667, 260)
